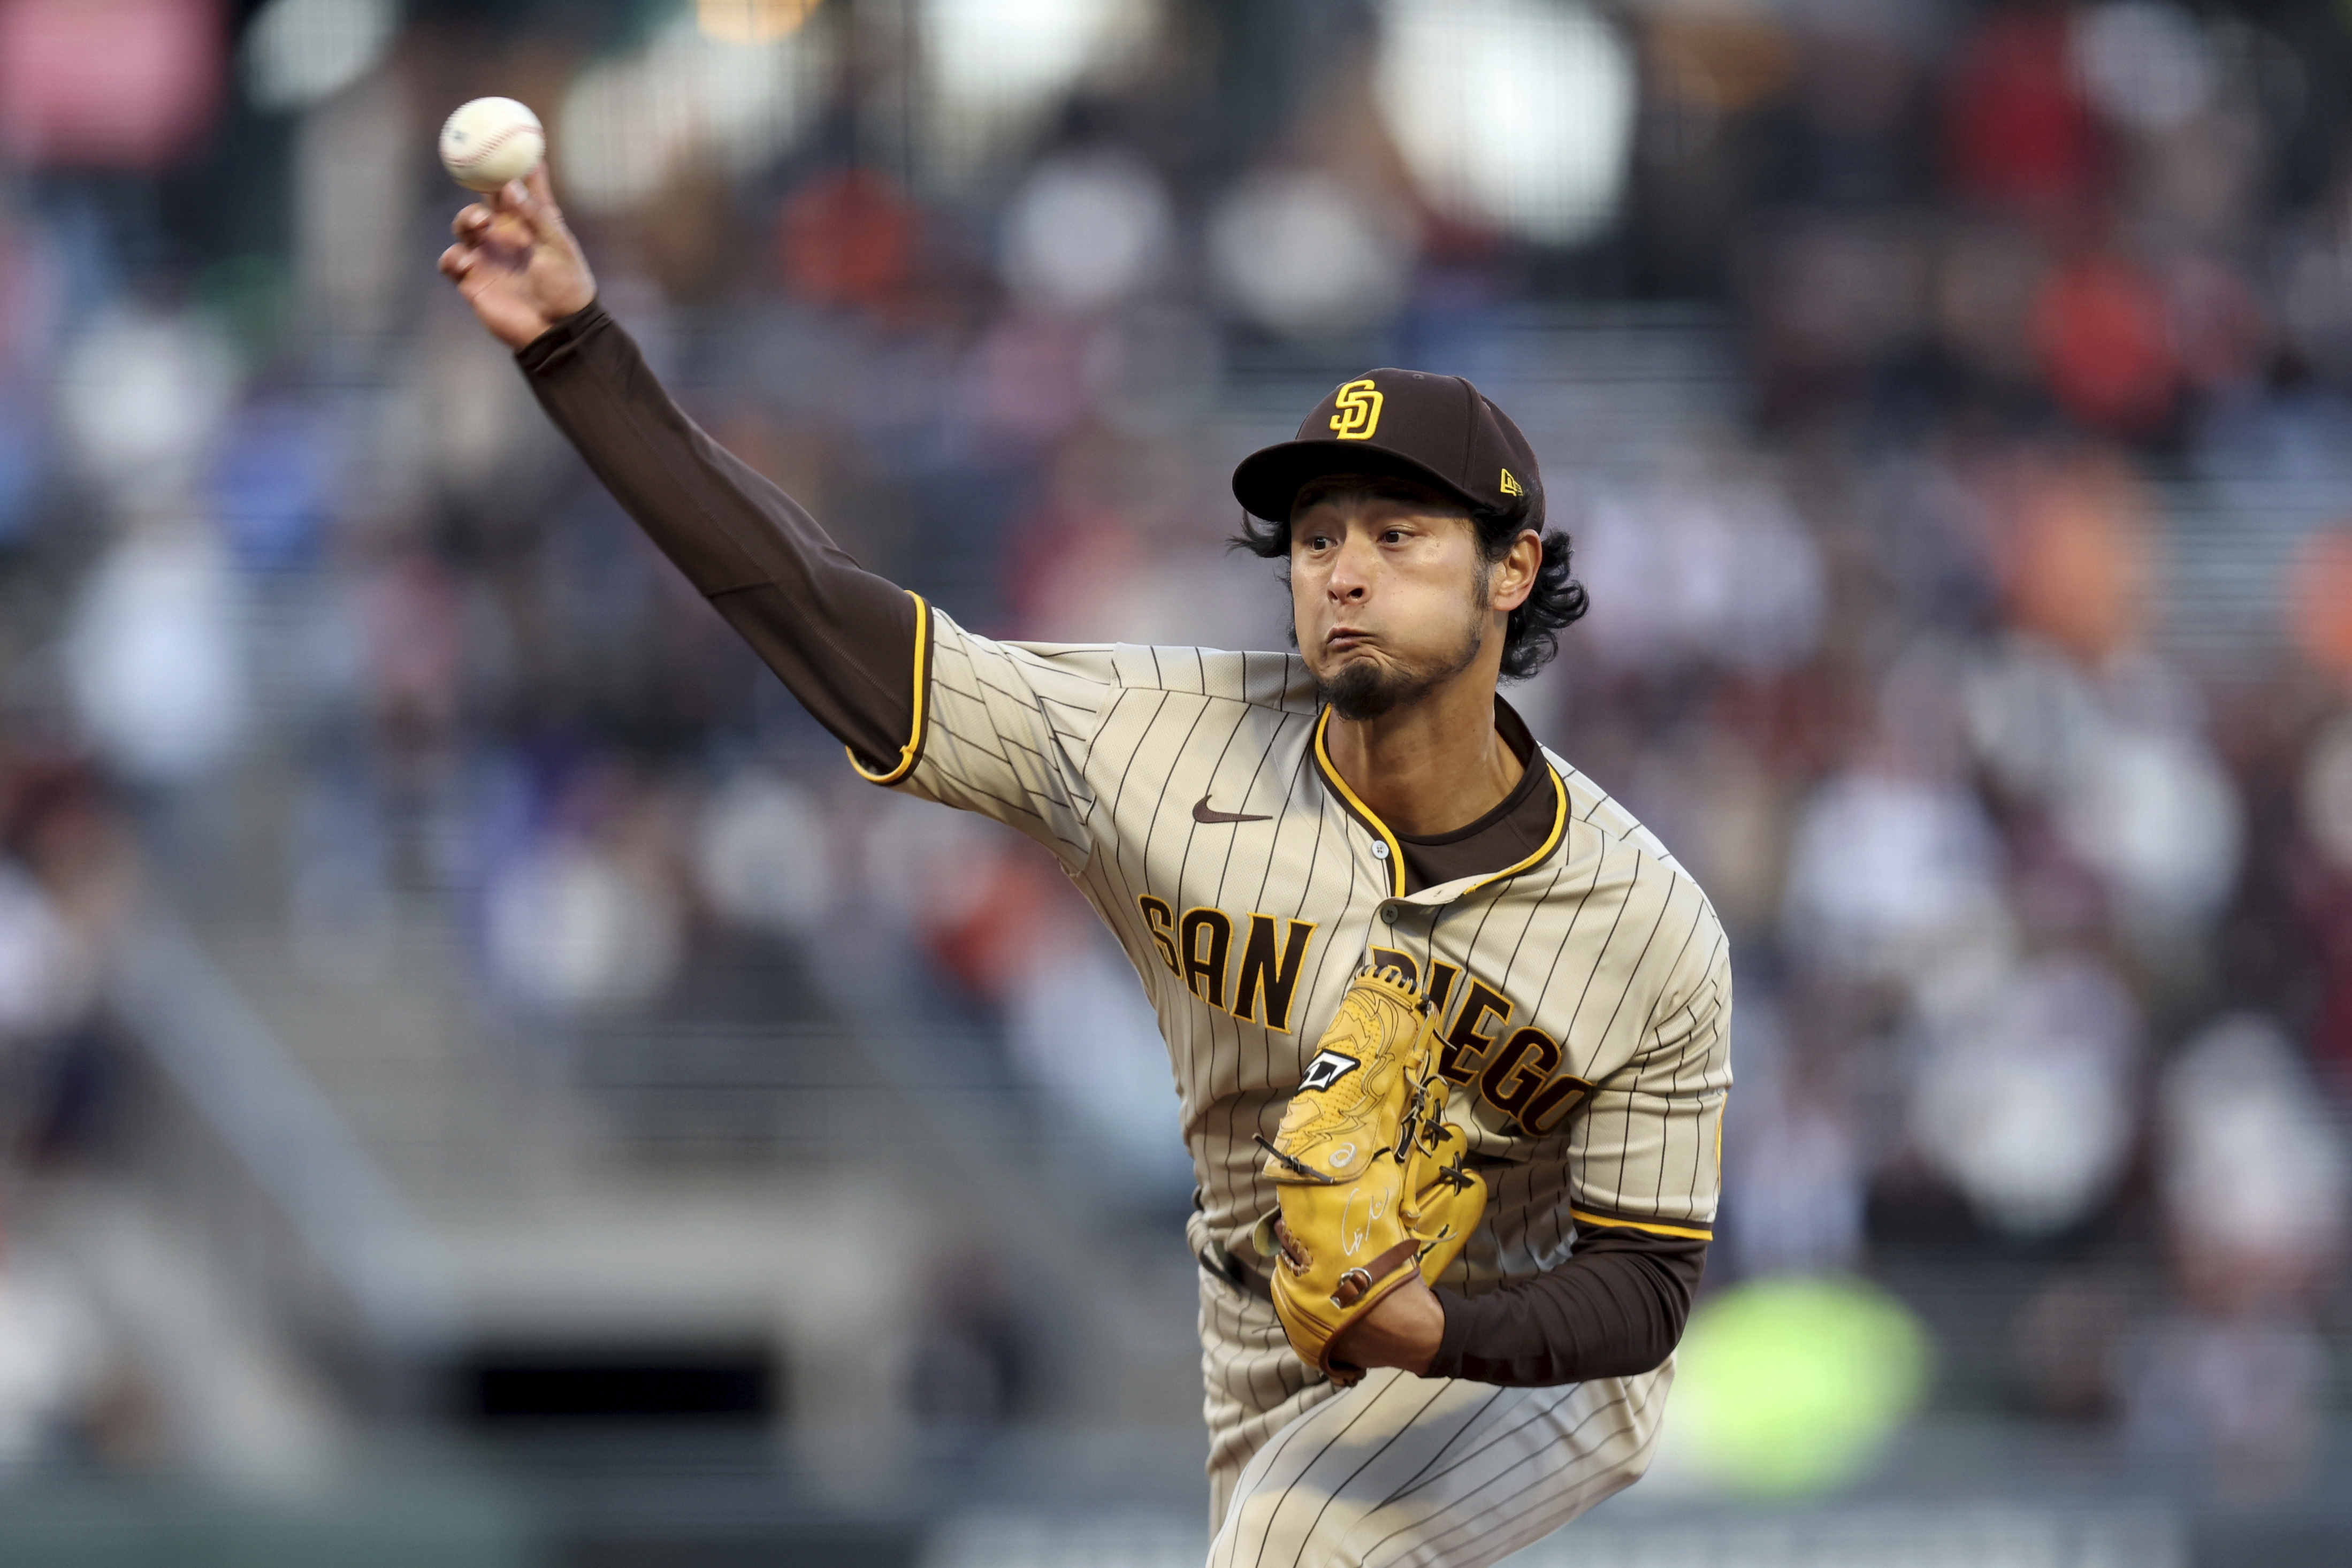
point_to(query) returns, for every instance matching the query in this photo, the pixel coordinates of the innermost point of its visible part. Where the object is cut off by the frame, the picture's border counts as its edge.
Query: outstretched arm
(844, 640)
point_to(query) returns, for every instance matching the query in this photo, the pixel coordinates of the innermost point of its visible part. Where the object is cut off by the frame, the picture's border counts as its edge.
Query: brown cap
(1439, 430)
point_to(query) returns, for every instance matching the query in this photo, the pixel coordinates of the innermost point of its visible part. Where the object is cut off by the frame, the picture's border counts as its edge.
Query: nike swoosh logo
(1202, 813)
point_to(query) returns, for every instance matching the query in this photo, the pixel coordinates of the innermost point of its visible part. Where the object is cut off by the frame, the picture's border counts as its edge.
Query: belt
(1234, 1272)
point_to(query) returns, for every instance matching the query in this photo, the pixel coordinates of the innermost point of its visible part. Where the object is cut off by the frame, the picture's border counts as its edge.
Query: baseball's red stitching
(492, 145)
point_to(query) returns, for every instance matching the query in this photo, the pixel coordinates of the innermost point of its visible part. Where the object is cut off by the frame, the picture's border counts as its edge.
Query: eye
(1393, 536)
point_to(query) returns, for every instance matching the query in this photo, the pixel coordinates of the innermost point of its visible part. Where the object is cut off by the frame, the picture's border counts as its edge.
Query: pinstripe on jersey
(1587, 990)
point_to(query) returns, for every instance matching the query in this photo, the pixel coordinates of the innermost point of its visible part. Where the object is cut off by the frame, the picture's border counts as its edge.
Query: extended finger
(457, 261)
(471, 220)
(542, 186)
(532, 200)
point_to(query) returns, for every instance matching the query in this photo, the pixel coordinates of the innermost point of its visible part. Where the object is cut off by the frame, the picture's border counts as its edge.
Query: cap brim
(1268, 480)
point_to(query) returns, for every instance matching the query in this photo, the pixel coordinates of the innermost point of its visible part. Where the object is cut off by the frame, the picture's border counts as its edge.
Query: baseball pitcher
(1448, 1026)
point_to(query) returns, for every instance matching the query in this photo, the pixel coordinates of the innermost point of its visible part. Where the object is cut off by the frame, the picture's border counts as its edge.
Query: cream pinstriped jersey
(1587, 991)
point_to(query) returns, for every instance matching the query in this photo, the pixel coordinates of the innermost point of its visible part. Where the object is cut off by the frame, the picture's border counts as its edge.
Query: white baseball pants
(1399, 1469)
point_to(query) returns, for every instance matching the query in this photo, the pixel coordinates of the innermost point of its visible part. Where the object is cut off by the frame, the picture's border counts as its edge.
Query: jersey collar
(1505, 720)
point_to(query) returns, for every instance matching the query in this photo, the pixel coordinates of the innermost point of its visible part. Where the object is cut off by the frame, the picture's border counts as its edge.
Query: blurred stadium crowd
(1970, 556)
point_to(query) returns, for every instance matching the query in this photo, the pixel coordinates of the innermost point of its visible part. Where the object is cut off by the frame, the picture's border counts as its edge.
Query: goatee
(1365, 689)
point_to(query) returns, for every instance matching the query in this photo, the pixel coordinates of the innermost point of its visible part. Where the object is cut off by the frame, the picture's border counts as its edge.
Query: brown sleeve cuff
(558, 344)
(1461, 1322)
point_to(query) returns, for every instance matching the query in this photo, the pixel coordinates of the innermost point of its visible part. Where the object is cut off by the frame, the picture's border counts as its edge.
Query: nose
(1350, 578)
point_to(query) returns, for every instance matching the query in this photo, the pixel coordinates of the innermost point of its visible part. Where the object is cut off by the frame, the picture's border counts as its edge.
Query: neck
(1432, 766)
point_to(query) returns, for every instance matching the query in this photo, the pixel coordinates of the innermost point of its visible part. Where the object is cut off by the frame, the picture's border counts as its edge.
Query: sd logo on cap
(1438, 430)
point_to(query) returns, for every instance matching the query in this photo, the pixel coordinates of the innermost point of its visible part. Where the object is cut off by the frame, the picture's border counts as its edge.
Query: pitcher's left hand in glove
(1374, 1191)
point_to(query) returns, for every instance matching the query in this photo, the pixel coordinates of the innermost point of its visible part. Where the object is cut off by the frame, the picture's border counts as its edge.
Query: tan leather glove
(1370, 1177)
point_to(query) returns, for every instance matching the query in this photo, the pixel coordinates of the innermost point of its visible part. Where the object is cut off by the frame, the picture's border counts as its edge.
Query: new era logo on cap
(1438, 430)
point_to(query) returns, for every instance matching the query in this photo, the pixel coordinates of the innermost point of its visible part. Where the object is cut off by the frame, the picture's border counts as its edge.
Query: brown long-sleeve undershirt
(842, 640)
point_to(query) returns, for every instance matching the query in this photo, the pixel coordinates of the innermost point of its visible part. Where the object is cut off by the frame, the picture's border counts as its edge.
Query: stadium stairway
(739, 1219)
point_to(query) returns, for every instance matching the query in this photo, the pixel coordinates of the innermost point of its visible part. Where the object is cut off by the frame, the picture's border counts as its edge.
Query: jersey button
(1388, 912)
(1379, 852)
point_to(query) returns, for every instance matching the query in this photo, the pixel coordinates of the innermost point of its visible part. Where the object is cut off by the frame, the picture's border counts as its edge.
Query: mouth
(1346, 639)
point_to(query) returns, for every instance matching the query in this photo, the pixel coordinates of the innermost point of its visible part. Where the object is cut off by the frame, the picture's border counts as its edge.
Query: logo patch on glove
(1328, 1068)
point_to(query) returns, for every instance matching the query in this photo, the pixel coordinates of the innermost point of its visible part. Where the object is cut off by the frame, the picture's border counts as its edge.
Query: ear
(1514, 577)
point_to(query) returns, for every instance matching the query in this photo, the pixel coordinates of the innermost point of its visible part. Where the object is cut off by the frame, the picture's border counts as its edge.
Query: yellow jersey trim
(1396, 850)
(1690, 1233)
(1551, 840)
(913, 750)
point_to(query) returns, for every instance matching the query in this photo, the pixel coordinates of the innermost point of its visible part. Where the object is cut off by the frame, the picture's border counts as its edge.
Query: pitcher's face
(1390, 595)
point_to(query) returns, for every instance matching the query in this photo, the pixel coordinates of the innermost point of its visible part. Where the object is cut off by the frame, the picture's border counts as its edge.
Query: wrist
(1404, 1331)
(553, 341)
(570, 302)
(1424, 1331)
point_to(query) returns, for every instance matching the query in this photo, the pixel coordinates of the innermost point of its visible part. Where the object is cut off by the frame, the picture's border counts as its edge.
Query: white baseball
(490, 141)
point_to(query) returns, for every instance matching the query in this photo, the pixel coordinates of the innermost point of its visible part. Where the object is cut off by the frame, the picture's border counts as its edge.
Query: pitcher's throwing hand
(516, 262)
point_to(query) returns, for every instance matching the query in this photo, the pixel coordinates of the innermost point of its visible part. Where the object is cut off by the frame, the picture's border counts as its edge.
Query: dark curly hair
(1532, 637)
